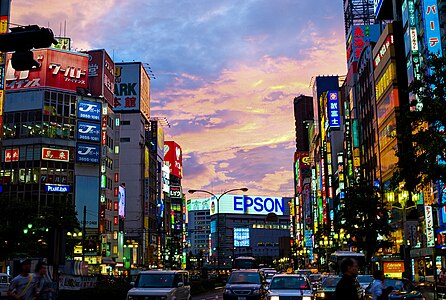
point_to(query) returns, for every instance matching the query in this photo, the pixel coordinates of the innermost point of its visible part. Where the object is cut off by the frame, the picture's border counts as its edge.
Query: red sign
(101, 75)
(55, 154)
(173, 157)
(104, 137)
(11, 155)
(58, 69)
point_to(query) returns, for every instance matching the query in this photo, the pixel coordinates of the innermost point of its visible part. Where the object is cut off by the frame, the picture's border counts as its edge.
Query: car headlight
(306, 298)
(274, 298)
(321, 295)
(228, 292)
(130, 298)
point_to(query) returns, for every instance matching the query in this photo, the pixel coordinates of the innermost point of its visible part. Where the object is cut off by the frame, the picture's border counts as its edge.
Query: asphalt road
(214, 295)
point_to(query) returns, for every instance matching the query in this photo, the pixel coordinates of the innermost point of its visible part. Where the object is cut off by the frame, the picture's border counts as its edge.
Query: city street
(215, 295)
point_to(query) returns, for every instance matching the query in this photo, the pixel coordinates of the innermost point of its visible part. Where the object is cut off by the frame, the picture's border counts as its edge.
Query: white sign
(377, 6)
(127, 86)
(429, 226)
(248, 205)
(165, 170)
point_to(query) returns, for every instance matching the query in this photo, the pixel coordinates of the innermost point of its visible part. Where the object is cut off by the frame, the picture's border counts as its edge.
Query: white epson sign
(248, 205)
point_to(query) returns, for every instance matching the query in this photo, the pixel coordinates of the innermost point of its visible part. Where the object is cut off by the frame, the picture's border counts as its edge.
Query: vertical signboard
(173, 158)
(334, 113)
(121, 206)
(432, 27)
(429, 226)
(101, 75)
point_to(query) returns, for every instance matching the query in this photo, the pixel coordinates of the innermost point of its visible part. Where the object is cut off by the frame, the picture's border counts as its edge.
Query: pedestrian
(348, 287)
(22, 286)
(377, 285)
(442, 277)
(43, 289)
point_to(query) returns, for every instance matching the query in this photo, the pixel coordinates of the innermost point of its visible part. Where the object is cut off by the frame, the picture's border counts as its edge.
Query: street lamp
(218, 216)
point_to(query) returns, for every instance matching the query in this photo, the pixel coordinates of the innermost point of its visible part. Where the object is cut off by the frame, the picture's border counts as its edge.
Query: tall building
(199, 228)
(132, 102)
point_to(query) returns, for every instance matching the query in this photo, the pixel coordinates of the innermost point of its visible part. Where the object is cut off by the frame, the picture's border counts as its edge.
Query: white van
(4, 284)
(159, 284)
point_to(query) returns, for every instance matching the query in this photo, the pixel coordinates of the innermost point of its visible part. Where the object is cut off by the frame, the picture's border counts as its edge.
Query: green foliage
(364, 217)
(15, 217)
(422, 146)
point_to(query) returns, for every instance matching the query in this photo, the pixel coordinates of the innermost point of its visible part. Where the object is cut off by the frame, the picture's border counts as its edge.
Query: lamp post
(218, 216)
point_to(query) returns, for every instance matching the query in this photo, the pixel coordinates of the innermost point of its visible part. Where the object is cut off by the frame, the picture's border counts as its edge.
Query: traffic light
(22, 40)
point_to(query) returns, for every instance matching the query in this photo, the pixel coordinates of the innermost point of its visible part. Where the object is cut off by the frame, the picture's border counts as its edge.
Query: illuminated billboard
(334, 113)
(432, 27)
(58, 69)
(88, 153)
(198, 204)
(173, 157)
(121, 204)
(165, 180)
(89, 110)
(55, 154)
(241, 237)
(88, 131)
(248, 205)
(101, 75)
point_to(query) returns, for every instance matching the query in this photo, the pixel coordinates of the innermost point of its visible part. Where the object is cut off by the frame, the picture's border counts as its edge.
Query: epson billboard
(248, 205)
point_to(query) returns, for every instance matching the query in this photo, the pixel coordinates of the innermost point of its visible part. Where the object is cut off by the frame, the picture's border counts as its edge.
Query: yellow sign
(3, 24)
(289, 270)
(2, 99)
(356, 162)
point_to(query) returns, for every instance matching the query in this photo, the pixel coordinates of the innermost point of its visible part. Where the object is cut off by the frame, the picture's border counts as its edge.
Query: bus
(245, 262)
(337, 257)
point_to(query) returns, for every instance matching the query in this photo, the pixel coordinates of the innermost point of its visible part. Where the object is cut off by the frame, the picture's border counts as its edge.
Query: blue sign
(57, 188)
(245, 204)
(88, 153)
(432, 27)
(89, 131)
(89, 110)
(334, 115)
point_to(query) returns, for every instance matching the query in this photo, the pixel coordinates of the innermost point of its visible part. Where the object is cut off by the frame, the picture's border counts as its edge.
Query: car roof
(290, 275)
(246, 270)
(162, 272)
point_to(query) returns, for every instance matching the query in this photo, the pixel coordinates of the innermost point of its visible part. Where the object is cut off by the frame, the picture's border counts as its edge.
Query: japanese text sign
(334, 115)
(432, 26)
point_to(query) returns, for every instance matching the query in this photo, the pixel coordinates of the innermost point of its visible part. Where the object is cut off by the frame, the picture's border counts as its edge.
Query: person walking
(442, 276)
(348, 287)
(377, 285)
(43, 290)
(22, 286)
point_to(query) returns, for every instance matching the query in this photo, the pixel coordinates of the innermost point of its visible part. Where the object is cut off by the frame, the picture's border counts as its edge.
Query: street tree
(365, 218)
(422, 149)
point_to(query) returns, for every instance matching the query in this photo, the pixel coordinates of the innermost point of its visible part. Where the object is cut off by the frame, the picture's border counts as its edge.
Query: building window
(115, 235)
(115, 249)
(115, 220)
(125, 140)
(115, 206)
(125, 123)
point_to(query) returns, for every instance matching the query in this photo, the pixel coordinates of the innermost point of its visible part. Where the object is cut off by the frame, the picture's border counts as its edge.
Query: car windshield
(289, 283)
(365, 279)
(244, 277)
(315, 277)
(400, 285)
(331, 281)
(155, 281)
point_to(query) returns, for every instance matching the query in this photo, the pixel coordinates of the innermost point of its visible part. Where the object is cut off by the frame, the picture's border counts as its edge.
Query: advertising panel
(241, 237)
(157, 138)
(58, 188)
(127, 87)
(198, 204)
(87, 153)
(334, 113)
(175, 192)
(359, 37)
(121, 205)
(101, 75)
(55, 154)
(432, 27)
(59, 69)
(429, 226)
(248, 205)
(88, 131)
(173, 158)
(89, 110)
(12, 155)
(165, 180)
(377, 6)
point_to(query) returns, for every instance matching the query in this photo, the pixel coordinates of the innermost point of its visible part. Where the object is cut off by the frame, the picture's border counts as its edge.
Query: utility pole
(83, 232)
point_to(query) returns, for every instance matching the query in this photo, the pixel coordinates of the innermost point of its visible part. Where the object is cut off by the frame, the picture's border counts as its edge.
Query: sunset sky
(226, 74)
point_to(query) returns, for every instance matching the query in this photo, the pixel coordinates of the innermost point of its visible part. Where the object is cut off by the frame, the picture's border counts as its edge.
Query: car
(161, 284)
(248, 284)
(4, 284)
(316, 279)
(401, 289)
(269, 274)
(327, 288)
(290, 286)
